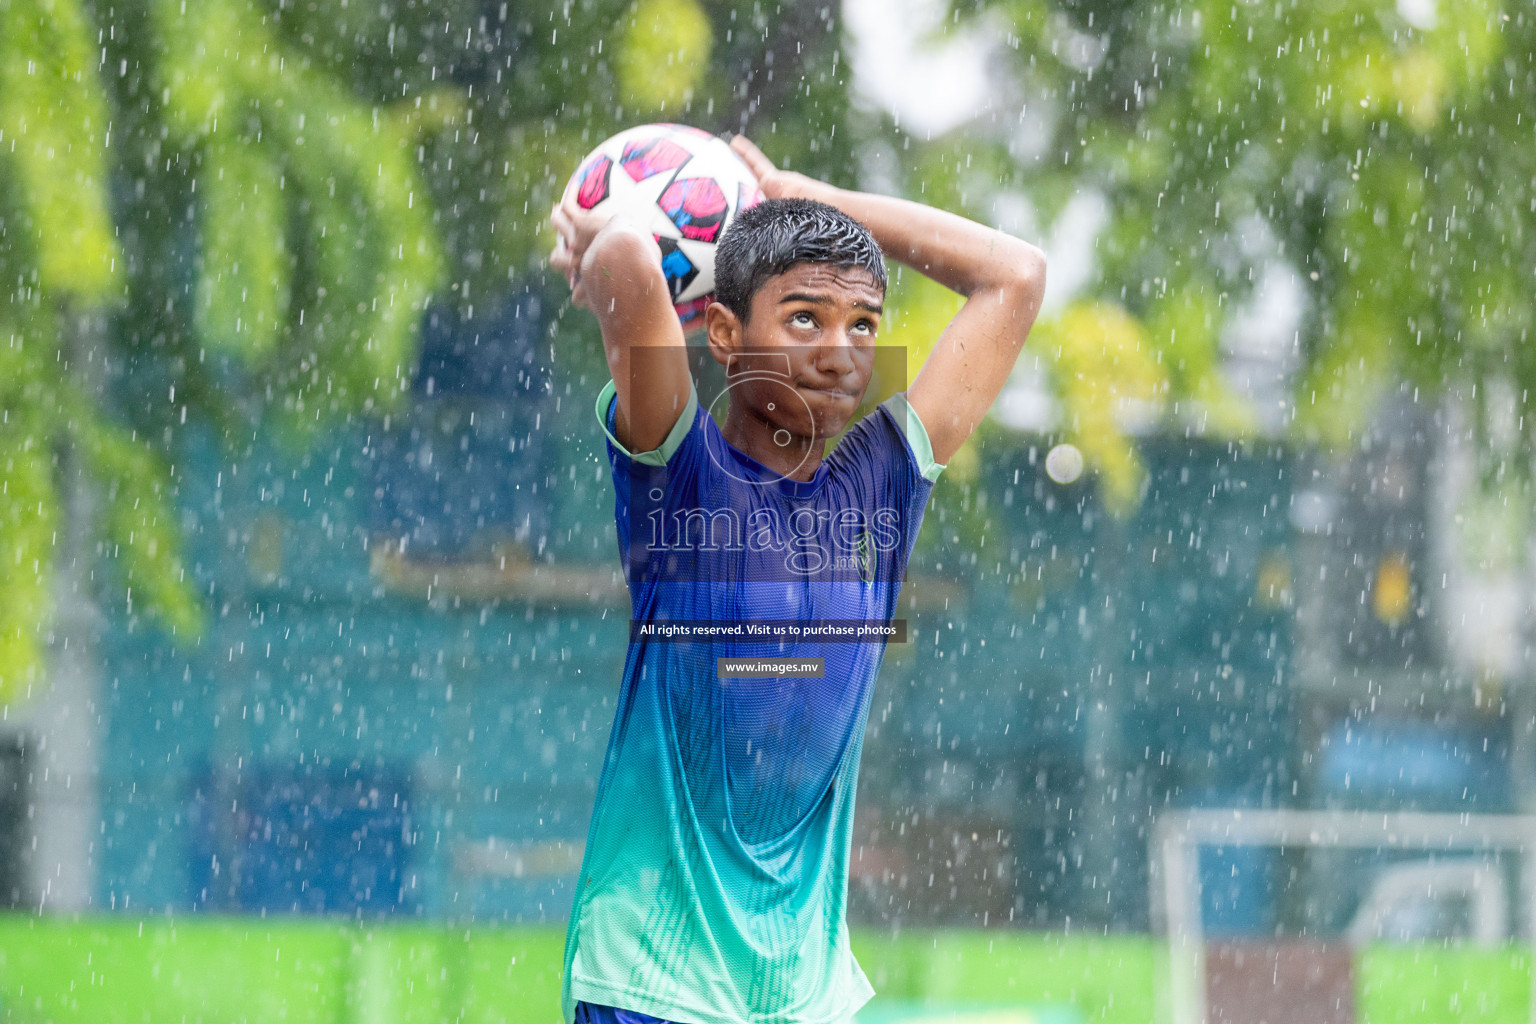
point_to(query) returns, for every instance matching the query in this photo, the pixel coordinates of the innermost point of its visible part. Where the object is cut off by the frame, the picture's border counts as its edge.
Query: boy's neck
(753, 436)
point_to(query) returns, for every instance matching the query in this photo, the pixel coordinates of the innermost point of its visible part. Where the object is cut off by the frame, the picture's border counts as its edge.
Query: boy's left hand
(776, 184)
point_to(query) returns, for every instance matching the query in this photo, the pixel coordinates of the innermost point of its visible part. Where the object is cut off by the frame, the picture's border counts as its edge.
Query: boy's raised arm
(614, 268)
(1001, 277)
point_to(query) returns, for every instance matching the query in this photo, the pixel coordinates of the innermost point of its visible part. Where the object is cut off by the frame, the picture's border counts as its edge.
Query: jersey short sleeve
(607, 401)
(886, 458)
(912, 430)
(646, 484)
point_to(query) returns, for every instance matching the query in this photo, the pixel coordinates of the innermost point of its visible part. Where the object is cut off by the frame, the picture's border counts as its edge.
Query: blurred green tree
(232, 212)
(1380, 144)
(59, 258)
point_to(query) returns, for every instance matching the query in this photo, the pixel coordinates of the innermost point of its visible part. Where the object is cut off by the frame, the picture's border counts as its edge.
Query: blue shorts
(590, 1013)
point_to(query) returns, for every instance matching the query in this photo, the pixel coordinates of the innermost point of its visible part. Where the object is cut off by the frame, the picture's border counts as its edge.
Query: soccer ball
(686, 185)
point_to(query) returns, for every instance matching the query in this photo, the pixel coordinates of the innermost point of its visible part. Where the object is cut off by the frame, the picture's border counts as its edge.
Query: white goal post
(1177, 837)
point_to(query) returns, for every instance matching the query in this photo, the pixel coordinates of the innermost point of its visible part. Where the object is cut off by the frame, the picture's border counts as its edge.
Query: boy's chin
(828, 427)
(829, 417)
(823, 429)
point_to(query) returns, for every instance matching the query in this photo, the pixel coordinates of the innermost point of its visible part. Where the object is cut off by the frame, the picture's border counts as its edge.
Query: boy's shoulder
(893, 424)
(896, 423)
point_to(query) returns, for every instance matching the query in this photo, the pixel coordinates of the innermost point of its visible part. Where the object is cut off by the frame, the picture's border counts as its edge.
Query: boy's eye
(802, 319)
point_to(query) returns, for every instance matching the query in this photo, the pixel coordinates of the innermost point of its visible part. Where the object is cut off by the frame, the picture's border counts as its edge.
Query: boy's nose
(836, 360)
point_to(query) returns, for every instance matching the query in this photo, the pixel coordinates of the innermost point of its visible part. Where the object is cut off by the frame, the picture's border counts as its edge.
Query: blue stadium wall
(364, 733)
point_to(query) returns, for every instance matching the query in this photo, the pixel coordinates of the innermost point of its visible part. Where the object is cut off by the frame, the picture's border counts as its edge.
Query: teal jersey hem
(585, 990)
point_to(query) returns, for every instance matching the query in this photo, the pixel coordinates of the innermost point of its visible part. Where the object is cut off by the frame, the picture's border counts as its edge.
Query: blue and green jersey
(715, 877)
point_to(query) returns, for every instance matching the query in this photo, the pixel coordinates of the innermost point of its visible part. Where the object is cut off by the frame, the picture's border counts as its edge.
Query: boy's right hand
(575, 229)
(613, 265)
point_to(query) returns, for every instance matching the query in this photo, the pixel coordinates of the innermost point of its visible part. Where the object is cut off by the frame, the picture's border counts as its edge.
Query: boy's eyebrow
(823, 300)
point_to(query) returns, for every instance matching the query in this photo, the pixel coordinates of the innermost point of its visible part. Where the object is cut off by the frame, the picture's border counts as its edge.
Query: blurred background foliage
(234, 212)
(260, 197)
(1381, 149)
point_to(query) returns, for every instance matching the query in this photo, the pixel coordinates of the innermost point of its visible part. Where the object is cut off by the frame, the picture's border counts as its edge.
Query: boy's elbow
(1027, 269)
(622, 264)
(621, 244)
(1020, 271)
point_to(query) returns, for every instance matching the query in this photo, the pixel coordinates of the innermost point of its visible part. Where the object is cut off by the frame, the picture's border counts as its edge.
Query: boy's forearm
(627, 291)
(960, 254)
(1003, 281)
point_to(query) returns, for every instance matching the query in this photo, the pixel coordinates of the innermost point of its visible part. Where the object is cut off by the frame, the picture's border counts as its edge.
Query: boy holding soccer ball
(714, 881)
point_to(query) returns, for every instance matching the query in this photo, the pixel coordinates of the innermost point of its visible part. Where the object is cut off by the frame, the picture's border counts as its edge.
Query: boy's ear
(723, 331)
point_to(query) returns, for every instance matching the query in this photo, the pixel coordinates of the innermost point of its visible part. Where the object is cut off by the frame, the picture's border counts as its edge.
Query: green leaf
(29, 520)
(245, 268)
(53, 130)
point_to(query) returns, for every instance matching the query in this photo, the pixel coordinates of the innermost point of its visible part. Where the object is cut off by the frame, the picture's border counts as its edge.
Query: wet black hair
(767, 239)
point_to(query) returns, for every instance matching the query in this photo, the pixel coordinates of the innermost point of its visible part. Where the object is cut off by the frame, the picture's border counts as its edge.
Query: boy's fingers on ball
(754, 157)
(746, 147)
(576, 222)
(738, 146)
(565, 228)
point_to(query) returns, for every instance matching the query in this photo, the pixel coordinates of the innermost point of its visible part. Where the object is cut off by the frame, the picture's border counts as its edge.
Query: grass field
(205, 970)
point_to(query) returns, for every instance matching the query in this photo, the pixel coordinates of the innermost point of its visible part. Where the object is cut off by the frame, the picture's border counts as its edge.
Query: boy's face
(816, 321)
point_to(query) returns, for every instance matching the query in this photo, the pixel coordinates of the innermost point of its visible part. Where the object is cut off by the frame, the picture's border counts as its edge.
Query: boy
(714, 881)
